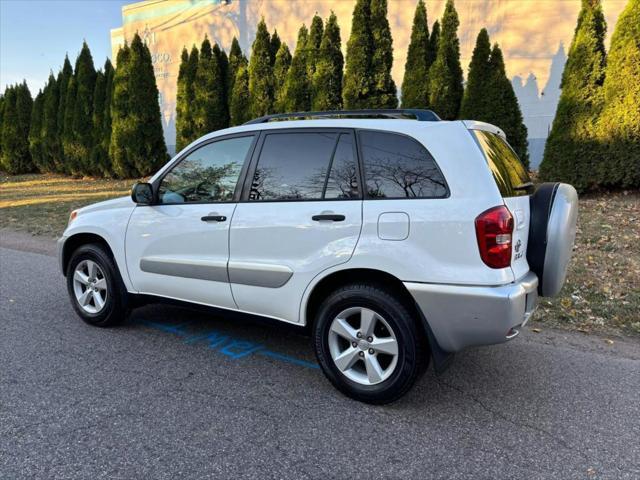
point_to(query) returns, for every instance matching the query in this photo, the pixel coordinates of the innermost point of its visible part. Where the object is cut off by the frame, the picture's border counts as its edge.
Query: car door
(179, 246)
(301, 213)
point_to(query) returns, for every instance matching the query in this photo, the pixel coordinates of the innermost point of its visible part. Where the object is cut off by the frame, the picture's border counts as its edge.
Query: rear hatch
(515, 186)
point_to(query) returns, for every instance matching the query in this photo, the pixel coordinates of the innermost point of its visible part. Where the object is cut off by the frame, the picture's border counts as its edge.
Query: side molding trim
(215, 271)
(259, 274)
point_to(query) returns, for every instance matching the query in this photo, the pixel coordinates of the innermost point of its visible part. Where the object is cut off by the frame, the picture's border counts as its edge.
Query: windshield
(507, 169)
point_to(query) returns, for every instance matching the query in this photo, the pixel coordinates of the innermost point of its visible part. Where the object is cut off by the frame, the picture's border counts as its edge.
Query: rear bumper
(464, 316)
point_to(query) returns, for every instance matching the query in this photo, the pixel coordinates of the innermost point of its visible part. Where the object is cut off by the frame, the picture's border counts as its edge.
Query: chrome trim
(212, 270)
(259, 274)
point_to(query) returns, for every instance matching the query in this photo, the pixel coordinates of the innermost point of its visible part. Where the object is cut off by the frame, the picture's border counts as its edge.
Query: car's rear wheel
(95, 287)
(367, 343)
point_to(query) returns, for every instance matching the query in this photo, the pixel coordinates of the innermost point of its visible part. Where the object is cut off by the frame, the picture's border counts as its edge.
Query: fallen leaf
(591, 471)
(536, 330)
(609, 342)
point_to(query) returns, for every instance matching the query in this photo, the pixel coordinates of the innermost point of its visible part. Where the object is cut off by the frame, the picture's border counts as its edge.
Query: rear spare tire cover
(552, 232)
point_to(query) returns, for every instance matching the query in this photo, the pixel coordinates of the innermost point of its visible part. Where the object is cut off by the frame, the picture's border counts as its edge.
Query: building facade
(533, 34)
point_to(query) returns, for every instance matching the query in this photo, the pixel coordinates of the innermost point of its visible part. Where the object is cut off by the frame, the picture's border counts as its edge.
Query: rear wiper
(528, 186)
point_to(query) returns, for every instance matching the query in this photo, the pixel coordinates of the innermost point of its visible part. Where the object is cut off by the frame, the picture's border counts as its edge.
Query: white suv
(395, 237)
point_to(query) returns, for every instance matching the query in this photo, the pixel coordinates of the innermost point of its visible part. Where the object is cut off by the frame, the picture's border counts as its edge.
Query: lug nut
(369, 339)
(354, 344)
(361, 354)
(371, 351)
(359, 335)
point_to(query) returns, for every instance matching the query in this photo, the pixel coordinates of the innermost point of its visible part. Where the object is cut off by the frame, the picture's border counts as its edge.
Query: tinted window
(208, 174)
(505, 165)
(294, 166)
(396, 166)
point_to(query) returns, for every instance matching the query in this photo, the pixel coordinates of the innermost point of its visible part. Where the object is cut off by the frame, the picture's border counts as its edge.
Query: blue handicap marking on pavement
(229, 346)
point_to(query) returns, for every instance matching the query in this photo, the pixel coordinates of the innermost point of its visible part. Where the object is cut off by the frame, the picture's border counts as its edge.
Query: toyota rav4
(395, 237)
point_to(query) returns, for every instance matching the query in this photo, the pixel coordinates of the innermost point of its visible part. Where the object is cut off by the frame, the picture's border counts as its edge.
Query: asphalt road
(176, 393)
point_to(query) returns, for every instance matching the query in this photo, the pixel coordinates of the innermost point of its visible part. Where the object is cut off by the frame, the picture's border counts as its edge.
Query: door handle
(328, 216)
(214, 218)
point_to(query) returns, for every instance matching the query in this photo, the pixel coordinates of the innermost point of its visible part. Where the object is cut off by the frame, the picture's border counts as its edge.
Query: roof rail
(404, 113)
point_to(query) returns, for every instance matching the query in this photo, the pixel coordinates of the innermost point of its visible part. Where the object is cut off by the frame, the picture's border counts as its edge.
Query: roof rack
(404, 113)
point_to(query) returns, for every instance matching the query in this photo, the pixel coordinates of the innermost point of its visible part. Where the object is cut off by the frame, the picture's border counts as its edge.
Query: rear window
(506, 167)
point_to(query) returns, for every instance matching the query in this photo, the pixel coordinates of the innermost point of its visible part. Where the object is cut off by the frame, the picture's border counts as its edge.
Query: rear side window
(507, 169)
(396, 166)
(305, 166)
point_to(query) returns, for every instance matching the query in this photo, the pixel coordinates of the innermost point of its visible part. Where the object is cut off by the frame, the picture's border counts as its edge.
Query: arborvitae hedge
(445, 75)
(415, 84)
(280, 69)
(78, 148)
(15, 130)
(64, 78)
(261, 73)
(327, 79)
(137, 145)
(358, 83)
(100, 162)
(475, 102)
(505, 111)
(185, 130)
(384, 88)
(67, 133)
(297, 87)
(434, 41)
(35, 132)
(240, 101)
(51, 146)
(223, 73)
(571, 153)
(210, 107)
(618, 128)
(313, 44)
(274, 46)
(237, 59)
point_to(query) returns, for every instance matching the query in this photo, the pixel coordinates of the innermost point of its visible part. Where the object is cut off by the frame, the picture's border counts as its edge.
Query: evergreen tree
(51, 146)
(185, 130)
(297, 91)
(434, 41)
(35, 133)
(261, 73)
(313, 44)
(210, 107)
(327, 79)
(15, 130)
(570, 153)
(236, 60)
(274, 46)
(137, 145)
(384, 88)
(223, 75)
(619, 124)
(67, 137)
(475, 102)
(445, 75)
(280, 70)
(505, 111)
(240, 101)
(64, 77)
(358, 79)
(100, 162)
(415, 84)
(78, 149)
(1, 120)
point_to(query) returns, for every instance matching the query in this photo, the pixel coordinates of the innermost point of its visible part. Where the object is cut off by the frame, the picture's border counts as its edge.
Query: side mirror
(142, 194)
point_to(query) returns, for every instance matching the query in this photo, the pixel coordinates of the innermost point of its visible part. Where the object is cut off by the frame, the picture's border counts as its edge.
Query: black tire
(412, 346)
(116, 306)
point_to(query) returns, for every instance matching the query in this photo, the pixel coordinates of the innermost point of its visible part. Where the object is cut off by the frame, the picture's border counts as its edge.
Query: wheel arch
(75, 241)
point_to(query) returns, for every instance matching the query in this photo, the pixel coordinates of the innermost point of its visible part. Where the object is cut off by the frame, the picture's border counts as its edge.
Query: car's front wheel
(95, 288)
(367, 343)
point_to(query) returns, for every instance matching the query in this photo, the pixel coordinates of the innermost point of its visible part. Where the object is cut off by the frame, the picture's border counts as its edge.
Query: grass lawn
(602, 292)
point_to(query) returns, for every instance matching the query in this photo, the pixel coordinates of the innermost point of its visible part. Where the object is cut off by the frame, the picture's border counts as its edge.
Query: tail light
(493, 230)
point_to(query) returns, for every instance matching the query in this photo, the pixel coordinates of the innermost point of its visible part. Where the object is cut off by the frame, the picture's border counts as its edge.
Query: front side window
(396, 166)
(305, 166)
(208, 174)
